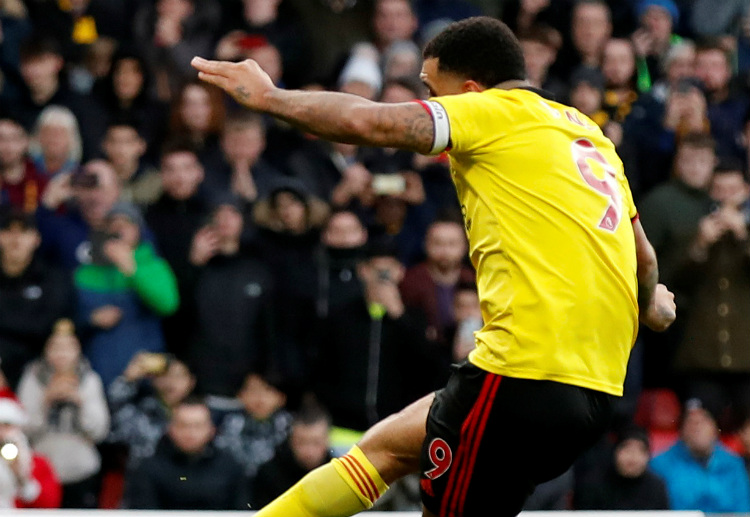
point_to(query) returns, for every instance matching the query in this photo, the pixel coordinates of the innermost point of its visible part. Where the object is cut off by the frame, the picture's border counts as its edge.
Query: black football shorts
(492, 439)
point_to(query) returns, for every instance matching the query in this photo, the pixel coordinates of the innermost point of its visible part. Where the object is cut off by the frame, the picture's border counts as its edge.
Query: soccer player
(564, 271)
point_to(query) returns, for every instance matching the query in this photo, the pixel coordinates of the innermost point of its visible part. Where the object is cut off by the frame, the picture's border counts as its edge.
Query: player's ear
(471, 85)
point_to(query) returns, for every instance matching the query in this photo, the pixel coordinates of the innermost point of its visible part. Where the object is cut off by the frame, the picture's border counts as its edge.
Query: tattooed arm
(333, 116)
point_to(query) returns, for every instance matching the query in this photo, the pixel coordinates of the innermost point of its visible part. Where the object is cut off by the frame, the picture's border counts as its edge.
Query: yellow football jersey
(547, 210)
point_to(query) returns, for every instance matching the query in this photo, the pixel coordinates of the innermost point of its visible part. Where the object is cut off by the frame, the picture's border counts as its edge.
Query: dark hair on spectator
(480, 48)
(193, 400)
(124, 122)
(178, 125)
(177, 145)
(311, 412)
(244, 119)
(544, 34)
(38, 45)
(731, 165)
(697, 141)
(711, 43)
(449, 214)
(465, 286)
(105, 88)
(410, 83)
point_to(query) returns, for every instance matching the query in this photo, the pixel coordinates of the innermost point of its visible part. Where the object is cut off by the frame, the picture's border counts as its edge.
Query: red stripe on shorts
(468, 430)
(463, 490)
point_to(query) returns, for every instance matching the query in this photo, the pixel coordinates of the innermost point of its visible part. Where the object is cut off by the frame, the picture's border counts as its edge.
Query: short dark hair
(178, 145)
(480, 48)
(713, 43)
(311, 412)
(697, 141)
(38, 45)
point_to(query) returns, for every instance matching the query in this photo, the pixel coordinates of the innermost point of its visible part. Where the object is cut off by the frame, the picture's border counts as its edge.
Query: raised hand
(246, 82)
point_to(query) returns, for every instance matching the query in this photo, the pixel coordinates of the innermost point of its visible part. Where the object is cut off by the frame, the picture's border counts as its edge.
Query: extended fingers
(217, 80)
(211, 67)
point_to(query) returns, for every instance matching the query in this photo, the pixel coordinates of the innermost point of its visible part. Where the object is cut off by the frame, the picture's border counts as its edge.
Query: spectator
(727, 106)
(124, 148)
(361, 74)
(342, 246)
(713, 353)
(29, 478)
(364, 346)
(175, 218)
(233, 300)
(540, 45)
(187, 471)
(73, 206)
(402, 60)
(289, 223)
(252, 434)
(618, 68)
(22, 184)
(169, 33)
(122, 294)
(123, 95)
(16, 29)
(67, 415)
(700, 473)
(56, 141)
(674, 105)
(670, 215)
(430, 285)
(626, 483)
(393, 20)
(350, 21)
(468, 320)
(306, 448)
(672, 212)
(142, 400)
(243, 170)
(33, 295)
(197, 115)
(273, 22)
(590, 29)
(587, 94)
(41, 67)
(653, 38)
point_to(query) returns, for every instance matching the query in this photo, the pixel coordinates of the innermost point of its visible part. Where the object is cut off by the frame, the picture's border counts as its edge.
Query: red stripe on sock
(365, 475)
(355, 477)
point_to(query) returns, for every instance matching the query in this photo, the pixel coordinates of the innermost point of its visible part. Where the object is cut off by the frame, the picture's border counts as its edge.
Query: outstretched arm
(656, 302)
(334, 116)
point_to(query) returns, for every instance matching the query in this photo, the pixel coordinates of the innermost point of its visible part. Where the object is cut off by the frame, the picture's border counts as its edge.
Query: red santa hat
(11, 411)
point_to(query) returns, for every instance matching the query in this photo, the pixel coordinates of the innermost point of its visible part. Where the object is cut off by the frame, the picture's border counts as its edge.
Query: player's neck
(513, 83)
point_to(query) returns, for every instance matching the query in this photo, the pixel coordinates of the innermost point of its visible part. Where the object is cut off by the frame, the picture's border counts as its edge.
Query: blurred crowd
(200, 304)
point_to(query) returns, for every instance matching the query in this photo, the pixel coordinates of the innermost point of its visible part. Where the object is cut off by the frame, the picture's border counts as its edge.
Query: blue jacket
(719, 486)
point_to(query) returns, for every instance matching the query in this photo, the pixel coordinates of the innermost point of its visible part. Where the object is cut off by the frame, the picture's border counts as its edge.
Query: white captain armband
(442, 138)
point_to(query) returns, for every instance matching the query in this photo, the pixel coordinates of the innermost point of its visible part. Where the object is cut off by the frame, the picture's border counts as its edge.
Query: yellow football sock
(343, 487)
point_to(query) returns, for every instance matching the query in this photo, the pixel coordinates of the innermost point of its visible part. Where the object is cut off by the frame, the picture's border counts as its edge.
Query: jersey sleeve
(461, 122)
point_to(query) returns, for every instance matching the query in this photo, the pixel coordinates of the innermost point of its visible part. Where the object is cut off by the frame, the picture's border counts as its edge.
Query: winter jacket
(173, 480)
(719, 486)
(144, 297)
(65, 433)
